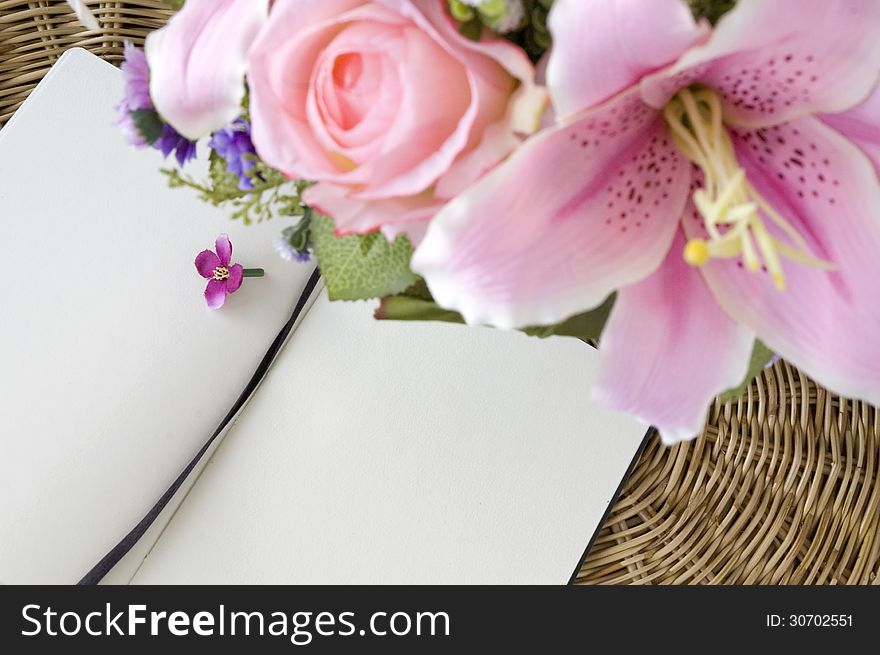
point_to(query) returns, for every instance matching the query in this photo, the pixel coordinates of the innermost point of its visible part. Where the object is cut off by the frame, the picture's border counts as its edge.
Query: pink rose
(385, 105)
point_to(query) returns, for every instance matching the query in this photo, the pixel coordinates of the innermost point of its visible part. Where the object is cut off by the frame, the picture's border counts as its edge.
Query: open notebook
(370, 452)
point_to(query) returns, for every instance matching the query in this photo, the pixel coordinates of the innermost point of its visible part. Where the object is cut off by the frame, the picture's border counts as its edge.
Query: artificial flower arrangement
(694, 182)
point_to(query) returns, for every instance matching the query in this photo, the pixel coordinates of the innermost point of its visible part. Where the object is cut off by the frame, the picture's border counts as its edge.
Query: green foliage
(360, 267)
(416, 304)
(407, 308)
(299, 236)
(586, 327)
(148, 124)
(532, 34)
(761, 356)
(273, 194)
(711, 10)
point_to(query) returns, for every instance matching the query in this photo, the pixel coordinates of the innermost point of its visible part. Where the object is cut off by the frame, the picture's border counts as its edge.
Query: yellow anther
(733, 211)
(221, 273)
(696, 252)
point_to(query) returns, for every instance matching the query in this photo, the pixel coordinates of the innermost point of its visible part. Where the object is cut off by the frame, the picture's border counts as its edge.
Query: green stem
(253, 272)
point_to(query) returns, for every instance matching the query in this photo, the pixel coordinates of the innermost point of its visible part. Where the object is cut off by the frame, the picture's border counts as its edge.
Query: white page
(404, 453)
(114, 372)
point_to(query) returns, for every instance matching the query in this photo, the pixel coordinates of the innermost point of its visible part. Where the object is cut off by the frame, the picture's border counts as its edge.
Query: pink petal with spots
(536, 241)
(861, 125)
(224, 249)
(773, 61)
(236, 272)
(825, 323)
(215, 293)
(206, 262)
(601, 48)
(669, 349)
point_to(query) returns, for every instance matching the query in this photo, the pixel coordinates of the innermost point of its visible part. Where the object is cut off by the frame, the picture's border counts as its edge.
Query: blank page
(114, 371)
(404, 453)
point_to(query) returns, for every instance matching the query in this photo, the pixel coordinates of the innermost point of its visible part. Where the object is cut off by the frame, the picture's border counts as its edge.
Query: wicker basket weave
(782, 487)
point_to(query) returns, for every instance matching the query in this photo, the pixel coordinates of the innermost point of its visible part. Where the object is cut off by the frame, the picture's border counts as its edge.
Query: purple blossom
(287, 252)
(136, 75)
(233, 144)
(170, 141)
(222, 277)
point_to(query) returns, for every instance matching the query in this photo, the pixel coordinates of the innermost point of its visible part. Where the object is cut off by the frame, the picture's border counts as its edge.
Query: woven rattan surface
(781, 488)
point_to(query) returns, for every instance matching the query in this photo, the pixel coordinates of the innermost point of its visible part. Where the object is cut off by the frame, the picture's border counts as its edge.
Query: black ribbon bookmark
(119, 551)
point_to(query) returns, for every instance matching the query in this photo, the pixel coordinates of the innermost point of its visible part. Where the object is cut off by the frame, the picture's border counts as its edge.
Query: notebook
(369, 452)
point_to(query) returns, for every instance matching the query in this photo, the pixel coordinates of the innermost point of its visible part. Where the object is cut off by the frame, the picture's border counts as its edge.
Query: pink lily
(222, 277)
(710, 179)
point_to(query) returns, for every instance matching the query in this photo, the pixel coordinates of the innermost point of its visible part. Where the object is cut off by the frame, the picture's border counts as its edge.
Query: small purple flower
(223, 279)
(136, 74)
(287, 252)
(233, 144)
(170, 141)
(136, 100)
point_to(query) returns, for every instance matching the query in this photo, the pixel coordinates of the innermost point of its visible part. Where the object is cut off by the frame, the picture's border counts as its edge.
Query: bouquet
(695, 183)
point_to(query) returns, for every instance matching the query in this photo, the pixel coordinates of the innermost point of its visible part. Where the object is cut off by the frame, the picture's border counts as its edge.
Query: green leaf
(355, 272)
(472, 30)
(416, 304)
(586, 326)
(406, 308)
(761, 356)
(711, 10)
(148, 124)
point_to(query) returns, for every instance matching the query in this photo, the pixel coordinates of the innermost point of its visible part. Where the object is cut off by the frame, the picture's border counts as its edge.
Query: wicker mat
(782, 487)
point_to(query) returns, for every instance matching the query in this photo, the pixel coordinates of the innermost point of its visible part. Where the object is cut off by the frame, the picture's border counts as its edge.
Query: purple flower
(171, 141)
(287, 252)
(223, 279)
(140, 123)
(136, 74)
(233, 144)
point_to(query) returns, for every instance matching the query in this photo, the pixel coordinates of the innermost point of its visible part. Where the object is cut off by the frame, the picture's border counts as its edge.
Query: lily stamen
(728, 203)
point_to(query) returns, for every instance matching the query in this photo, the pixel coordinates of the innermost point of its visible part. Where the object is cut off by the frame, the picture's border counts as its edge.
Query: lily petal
(198, 60)
(224, 249)
(773, 61)
(215, 293)
(534, 242)
(825, 322)
(206, 262)
(668, 349)
(861, 125)
(601, 48)
(236, 273)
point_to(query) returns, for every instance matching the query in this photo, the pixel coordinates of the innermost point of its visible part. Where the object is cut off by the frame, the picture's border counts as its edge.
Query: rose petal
(280, 70)
(353, 216)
